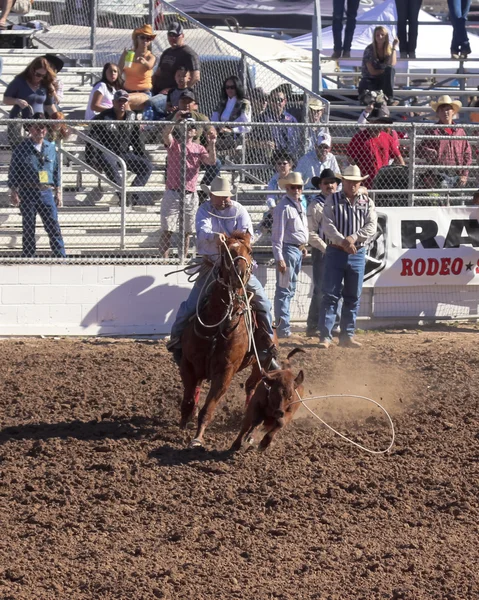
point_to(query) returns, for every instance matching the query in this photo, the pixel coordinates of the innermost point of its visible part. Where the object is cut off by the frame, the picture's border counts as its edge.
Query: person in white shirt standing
(313, 163)
(289, 237)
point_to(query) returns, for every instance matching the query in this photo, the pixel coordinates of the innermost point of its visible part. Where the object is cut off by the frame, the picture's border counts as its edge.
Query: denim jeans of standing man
(458, 11)
(408, 13)
(338, 13)
(312, 323)
(33, 202)
(293, 257)
(347, 270)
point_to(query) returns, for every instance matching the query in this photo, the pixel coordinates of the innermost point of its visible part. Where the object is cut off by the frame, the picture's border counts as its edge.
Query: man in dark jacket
(124, 141)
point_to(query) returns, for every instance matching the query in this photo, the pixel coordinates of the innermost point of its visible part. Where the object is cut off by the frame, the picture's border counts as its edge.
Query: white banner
(424, 246)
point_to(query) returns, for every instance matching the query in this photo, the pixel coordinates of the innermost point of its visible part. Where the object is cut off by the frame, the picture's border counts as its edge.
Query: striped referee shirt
(317, 239)
(343, 218)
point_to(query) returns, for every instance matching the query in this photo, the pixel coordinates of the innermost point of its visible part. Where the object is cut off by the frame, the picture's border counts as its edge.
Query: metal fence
(130, 189)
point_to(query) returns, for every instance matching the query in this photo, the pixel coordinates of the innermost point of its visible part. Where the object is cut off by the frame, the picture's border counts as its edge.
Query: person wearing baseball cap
(349, 221)
(327, 183)
(455, 154)
(177, 55)
(315, 161)
(123, 140)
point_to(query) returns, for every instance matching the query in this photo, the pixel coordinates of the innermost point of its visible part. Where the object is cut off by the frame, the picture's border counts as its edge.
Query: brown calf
(273, 404)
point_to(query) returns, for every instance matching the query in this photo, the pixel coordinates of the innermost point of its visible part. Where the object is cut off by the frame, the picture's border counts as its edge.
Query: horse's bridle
(249, 266)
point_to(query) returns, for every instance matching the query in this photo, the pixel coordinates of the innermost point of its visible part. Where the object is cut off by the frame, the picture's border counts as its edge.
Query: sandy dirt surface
(100, 499)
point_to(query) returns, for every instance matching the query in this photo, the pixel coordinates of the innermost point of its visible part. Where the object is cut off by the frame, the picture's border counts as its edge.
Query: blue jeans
(140, 165)
(458, 11)
(188, 307)
(408, 12)
(344, 269)
(33, 202)
(293, 257)
(312, 322)
(351, 13)
(158, 103)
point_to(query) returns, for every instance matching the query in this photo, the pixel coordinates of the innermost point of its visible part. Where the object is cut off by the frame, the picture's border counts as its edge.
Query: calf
(273, 404)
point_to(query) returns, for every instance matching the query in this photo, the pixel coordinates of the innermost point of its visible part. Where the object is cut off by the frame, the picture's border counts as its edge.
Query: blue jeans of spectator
(140, 165)
(384, 82)
(347, 270)
(188, 308)
(408, 13)
(33, 202)
(458, 11)
(158, 104)
(293, 257)
(351, 13)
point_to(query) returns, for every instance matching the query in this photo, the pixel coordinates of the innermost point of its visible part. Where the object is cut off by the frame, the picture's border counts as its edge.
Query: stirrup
(173, 342)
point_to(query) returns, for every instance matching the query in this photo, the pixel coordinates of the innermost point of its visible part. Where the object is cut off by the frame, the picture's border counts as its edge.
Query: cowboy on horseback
(216, 220)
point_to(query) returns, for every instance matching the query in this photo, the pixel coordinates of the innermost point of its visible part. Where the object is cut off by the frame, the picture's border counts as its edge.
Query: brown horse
(216, 343)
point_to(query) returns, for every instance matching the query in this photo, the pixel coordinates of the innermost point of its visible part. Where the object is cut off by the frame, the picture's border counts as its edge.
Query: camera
(377, 98)
(186, 115)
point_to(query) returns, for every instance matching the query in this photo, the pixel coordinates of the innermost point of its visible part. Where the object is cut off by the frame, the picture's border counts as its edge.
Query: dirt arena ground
(99, 499)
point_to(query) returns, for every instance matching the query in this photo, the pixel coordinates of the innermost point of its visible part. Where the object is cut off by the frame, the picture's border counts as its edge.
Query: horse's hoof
(195, 443)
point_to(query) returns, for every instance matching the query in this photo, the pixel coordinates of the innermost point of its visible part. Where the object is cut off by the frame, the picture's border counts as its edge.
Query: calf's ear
(299, 379)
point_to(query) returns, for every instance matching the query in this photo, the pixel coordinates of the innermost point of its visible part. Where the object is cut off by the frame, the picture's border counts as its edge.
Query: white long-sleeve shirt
(210, 222)
(245, 116)
(290, 226)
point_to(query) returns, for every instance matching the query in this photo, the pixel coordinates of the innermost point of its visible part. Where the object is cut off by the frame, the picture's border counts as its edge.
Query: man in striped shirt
(289, 237)
(327, 182)
(349, 220)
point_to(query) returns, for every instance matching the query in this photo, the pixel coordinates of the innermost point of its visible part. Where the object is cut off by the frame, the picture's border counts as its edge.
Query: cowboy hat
(325, 174)
(456, 105)
(293, 178)
(352, 173)
(316, 104)
(220, 186)
(143, 30)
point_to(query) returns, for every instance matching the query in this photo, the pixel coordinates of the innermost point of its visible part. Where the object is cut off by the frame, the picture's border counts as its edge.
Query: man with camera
(176, 189)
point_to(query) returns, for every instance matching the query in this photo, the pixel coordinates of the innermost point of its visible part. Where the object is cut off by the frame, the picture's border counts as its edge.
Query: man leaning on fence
(34, 180)
(124, 141)
(349, 220)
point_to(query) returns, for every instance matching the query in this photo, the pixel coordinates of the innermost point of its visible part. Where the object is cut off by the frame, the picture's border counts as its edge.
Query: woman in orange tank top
(137, 76)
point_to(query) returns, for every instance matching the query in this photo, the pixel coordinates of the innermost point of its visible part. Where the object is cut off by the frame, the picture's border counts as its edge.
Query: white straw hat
(293, 178)
(352, 173)
(456, 104)
(220, 186)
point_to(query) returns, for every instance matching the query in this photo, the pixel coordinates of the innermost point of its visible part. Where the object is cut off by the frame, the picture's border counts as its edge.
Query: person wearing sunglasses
(313, 163)
(233, 106)
(138, 75)
(31, 91)
(34, 181)
(289, 240)
(177, 55)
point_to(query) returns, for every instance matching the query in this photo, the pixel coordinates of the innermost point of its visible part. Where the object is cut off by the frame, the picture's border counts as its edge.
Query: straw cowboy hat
(456, 105)
(294, 178)
(220, 186)
(316, 104)
(143, 30)
(352, 173)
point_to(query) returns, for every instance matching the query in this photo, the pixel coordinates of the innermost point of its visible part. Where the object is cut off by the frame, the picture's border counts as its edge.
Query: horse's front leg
(191, 393)
(218, 388)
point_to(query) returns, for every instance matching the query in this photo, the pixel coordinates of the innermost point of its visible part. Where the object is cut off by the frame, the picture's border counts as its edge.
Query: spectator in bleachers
(313, 163)
(232, 106)
(56, 65)
(344, 48)
(289, 238)
(327, 183)
(34, 180)
(379, 59)
(58, 130)
(408, 14)
(21, 7)
(315, 118)
(182, 79)
(373, 148)
(101, 95)
(137, 76)
(283, 164)
(196, 155)
(453, 153)
(32, 91)
(458, 11)
(259, 102)
(280, 139)
(349, 221)
(178, 55)
(123, 140)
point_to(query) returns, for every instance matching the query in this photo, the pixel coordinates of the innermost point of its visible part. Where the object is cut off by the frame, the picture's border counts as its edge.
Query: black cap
(188, 94)
(325, 174)
(176, 28)
(54, 61)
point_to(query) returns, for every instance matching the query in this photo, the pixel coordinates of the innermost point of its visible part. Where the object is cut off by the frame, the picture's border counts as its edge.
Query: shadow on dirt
(168, 456)
(136, 427)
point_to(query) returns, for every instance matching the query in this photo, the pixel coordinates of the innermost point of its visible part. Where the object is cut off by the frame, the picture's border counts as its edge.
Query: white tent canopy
(433, 40)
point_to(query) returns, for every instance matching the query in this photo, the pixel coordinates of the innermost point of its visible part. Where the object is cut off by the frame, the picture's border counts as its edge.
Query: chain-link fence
(129, 190)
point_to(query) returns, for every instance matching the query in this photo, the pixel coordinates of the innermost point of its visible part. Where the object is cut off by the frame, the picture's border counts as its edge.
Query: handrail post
(123, 204)
(181, 219)
(94, 22)
(412, 165)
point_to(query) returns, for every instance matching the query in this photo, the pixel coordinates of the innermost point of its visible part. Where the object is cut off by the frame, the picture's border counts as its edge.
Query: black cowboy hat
(55, 61)
(325, 174)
